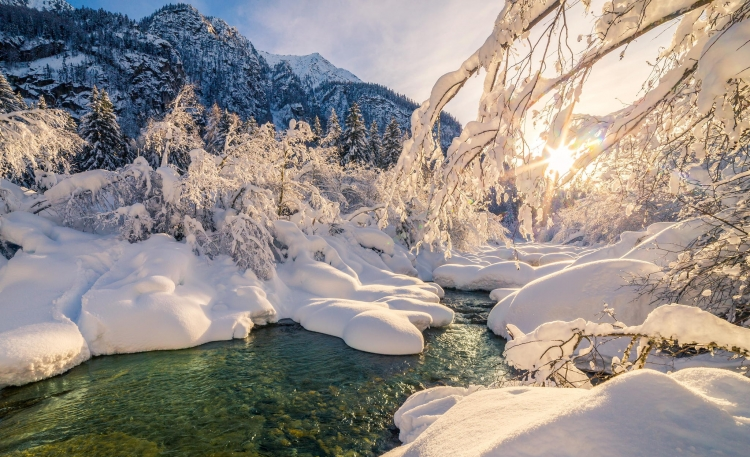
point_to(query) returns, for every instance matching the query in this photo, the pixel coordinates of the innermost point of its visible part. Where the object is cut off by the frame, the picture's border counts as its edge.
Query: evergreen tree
(374, 146)
(216, 129)
(9, 101)
(105, 144)
(354, 146)
(251, 126)
(42, 104)
(333, 135)
(392, 144)
(317, 129)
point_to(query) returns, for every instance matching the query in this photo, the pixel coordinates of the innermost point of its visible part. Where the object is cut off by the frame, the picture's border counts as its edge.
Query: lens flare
(560, 160)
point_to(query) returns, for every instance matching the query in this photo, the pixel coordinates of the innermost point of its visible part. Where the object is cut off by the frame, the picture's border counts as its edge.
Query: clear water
(283, 391)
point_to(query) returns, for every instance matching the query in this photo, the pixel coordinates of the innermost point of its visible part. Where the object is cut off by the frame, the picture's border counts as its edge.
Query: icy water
(283, 391)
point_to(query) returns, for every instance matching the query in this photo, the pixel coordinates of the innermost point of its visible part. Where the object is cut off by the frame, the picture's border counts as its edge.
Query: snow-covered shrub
(549, 355)
(170, 140)
(32, 139)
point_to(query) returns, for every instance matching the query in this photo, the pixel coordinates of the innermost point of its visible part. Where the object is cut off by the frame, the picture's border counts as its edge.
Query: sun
(560, 160)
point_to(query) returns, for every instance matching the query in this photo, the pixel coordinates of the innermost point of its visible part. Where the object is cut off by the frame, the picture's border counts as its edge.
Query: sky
(405, 45)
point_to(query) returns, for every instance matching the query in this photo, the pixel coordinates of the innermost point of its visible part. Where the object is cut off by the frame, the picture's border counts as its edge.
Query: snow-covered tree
(216, 129)
(375, 146)
(33, 139)
(9, 101)
(170, 140)
(392, 144)
(354, 146)
(333, 134)
(317, 129)
(534, 76)
(105, 146)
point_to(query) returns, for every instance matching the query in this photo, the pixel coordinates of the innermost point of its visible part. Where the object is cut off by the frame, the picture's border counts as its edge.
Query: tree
(333, 134)
(170, 140)
(520, 90)
(354, 146)
(374, 145)
(32, 139)
(9, 101)
(216, 129)
(105, 146)
(392, 144)
(317, 129)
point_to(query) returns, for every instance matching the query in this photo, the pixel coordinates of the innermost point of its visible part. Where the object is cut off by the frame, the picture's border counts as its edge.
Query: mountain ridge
(62, 53)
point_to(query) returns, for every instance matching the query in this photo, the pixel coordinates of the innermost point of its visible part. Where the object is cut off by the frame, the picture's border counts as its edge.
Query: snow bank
(578, 292)
(159, 295)
(496, 276)
(695, 412)
(68, 295)
(423, 408)
(369, 308)
(500, 294)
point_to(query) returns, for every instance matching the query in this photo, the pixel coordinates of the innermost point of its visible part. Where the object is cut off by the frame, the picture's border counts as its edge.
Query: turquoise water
(283, 391)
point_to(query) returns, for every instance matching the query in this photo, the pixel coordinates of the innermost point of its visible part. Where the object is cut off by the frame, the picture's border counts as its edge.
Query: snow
(577, 292)
(91, 181)
(499, 275)
(313, 67)
(694, 412)
(97, 294)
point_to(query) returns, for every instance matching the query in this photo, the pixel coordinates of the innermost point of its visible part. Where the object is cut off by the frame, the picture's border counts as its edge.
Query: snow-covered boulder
(578, 292)
(694, 412)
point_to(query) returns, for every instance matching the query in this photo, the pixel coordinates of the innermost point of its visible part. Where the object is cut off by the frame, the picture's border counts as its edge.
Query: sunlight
(560, 160)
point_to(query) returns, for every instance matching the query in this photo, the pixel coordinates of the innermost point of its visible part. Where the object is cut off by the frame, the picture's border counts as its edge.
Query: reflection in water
(281, 391)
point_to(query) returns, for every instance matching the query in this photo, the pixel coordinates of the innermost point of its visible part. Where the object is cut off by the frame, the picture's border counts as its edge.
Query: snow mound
(693, 413)
(496, 276)
(502, 293)
(159, 295)
(41, 350)
(423, 408)
(578, 292)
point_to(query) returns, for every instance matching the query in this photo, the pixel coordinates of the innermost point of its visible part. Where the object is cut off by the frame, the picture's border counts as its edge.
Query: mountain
(52, 50)
(42, 5)
(313, 69)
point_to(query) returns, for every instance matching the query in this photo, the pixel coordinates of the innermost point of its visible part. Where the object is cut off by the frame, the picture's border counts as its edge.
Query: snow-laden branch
(528, 41)
(550, 351)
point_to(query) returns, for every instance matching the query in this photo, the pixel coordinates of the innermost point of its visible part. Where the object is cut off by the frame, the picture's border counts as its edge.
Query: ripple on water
(282, 391)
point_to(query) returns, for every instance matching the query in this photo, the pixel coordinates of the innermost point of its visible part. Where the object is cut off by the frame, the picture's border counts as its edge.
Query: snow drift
(693, 412)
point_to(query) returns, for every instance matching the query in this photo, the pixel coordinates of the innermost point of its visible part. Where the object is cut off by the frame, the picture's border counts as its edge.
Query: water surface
(283, 391)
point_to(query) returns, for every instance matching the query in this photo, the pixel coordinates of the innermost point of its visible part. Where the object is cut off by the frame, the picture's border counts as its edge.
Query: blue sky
(404, 44)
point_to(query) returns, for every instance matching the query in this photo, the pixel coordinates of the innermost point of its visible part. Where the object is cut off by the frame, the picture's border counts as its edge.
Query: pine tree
(333, 135)
(216, 129)
(354, 140)
(105, 145)
(317, 129)
(9, 101)
(374, 145)
(251, 126)
(392, 143)
(42, 104)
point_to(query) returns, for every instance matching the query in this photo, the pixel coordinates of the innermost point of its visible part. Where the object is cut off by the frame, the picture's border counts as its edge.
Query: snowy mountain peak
(313, 68)
(41, 5)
